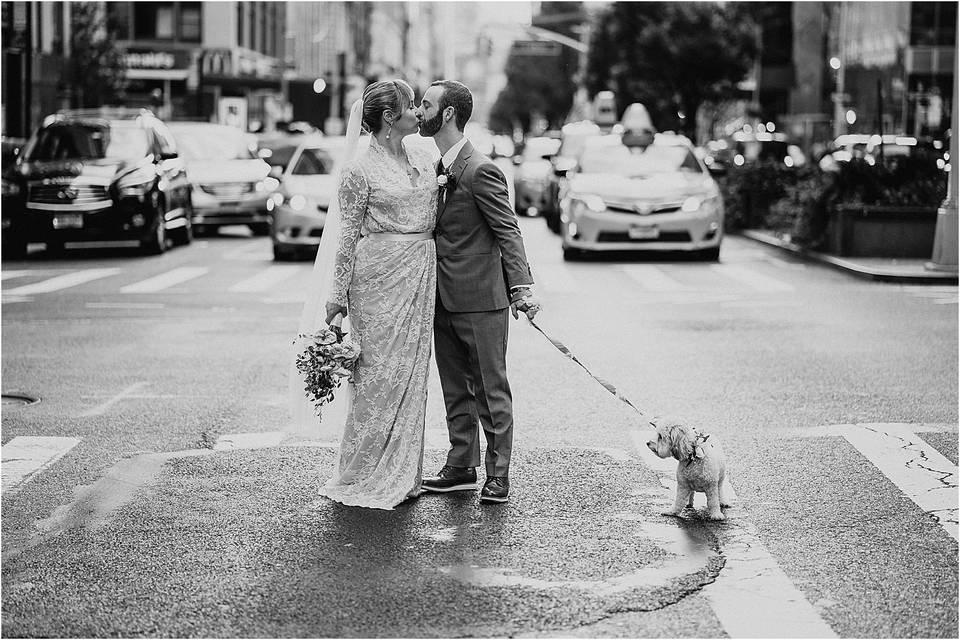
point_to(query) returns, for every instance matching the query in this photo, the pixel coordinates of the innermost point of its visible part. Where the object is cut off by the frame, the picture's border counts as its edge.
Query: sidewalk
(903, 270)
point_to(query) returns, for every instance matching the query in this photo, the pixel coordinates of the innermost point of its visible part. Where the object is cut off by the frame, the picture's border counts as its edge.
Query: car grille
(66, 194)
(229, 191)
(665, 236)
(644, 208)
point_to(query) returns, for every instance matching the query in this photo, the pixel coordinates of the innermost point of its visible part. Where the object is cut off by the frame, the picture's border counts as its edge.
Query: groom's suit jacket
(480, 252)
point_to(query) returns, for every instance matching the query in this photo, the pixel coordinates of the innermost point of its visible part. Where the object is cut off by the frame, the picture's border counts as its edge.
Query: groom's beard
(429, 128)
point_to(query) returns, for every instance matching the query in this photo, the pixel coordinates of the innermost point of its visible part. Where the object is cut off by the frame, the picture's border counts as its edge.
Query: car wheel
(710, 255)
(282, 255)
(260, 229)
(156, 242)
(553, 221)
(185, 233)
(572, 255)
(14, 248)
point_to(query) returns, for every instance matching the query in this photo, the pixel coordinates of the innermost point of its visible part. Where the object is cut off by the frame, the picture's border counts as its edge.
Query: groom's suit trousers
(471, 352)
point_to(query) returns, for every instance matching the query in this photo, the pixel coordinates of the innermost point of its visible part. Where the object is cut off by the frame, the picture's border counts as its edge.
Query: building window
(933, 23)
(190, 25)
(240, 10)
(153, 20)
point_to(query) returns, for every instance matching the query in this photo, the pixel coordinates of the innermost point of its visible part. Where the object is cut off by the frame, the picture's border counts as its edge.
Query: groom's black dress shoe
(452, 479)
(495, 489)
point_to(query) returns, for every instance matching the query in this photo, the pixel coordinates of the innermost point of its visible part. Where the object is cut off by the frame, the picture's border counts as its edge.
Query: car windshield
(88, 142)
(636, 162)
(277, 154)
(313, 162)
(212, 143)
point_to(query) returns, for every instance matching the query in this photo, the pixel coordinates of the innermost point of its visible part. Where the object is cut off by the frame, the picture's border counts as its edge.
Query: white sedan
(659, 197)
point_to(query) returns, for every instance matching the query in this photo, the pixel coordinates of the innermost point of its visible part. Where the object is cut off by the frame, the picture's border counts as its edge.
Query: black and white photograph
(479, 319)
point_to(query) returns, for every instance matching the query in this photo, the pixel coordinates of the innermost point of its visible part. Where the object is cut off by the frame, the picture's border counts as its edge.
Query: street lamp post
(945, 239)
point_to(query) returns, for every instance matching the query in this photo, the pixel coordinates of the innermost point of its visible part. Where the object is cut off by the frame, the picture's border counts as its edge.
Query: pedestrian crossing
(675, 283)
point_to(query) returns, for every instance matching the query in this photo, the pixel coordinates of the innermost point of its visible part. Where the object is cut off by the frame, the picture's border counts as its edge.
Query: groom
(482, 271)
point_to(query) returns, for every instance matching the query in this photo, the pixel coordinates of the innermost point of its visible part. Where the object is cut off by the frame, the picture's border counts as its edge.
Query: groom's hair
(456, 95)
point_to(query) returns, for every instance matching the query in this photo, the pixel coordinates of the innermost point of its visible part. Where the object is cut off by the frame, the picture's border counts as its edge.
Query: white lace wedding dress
(389, 285)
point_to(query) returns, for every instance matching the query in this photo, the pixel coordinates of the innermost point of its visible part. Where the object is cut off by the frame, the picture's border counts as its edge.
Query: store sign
(150, 60)
(230, 63)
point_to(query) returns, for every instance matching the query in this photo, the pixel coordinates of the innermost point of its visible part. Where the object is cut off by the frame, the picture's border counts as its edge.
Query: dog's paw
(725, 505)
(716, 515)
(672, 513)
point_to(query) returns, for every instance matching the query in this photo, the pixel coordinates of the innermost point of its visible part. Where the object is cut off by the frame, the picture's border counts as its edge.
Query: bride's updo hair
(393, 95)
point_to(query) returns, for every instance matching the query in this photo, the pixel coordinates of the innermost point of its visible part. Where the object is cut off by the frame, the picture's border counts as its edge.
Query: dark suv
(97, 176)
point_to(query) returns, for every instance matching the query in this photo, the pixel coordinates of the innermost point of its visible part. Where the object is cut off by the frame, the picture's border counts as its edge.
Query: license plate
(643, 233)
(68, 221)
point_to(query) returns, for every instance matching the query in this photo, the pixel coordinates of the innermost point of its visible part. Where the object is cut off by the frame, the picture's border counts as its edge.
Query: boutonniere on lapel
(447, 182)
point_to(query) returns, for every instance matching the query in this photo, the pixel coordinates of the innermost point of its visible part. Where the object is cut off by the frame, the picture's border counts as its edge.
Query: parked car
(531, 178)
(231, 183)
(573, 137)
(742, 148)
(104, 175)
(868, 147)
(306, 168)
(660, 197)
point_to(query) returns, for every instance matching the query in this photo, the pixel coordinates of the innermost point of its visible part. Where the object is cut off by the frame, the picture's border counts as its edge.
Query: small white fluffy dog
(702, 466)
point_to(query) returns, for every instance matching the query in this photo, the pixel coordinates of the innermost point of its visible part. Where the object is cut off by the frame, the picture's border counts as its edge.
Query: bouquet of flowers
(327, 358)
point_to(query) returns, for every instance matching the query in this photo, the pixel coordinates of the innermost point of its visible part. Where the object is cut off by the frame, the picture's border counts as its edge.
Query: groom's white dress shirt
(451, 155)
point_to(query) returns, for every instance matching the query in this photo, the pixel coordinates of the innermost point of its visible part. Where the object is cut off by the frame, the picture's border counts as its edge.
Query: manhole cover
(18, 399)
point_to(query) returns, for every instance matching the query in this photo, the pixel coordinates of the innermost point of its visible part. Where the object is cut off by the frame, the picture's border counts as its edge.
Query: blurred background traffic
(625, 126)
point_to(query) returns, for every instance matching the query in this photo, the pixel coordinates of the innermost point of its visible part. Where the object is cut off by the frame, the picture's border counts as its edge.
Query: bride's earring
(389, 129)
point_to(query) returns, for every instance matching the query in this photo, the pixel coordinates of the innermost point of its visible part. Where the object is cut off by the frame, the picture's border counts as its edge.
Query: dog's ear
(681, 446)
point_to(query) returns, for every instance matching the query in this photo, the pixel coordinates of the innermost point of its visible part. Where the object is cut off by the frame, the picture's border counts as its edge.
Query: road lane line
(62, 282)
(752, 278)
(265, 279)
(752, 596)
(125, 305)
(102, 408)
(921, 472)
(26, 456)
(23, 273)
(652, 278)
(165, 280)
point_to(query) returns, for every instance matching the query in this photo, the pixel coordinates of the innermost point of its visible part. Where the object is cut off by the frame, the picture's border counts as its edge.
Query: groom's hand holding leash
(522, 299)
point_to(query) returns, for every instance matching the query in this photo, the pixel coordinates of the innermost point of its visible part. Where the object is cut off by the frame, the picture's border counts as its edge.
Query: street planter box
(882, 232)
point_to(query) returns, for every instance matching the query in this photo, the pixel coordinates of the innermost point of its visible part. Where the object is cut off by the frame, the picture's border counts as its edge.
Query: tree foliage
(538, 84)
(96, 63)
(671, 56)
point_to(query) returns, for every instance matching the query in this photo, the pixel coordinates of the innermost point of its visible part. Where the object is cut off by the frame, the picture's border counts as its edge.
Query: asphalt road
(159, 520)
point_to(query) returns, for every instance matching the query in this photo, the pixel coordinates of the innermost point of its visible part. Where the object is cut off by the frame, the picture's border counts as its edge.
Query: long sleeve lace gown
(389, 286)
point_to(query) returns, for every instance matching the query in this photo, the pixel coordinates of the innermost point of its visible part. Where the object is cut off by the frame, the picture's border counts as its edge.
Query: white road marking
(250, 251)
(837, 430)
(752, 279)
(752, 597)
(921, 472)
(652, 278)
(165, 280)
(265, 279)
(22, 273)
(556, 277)
(62, 282)
(947, 301)
(102, 408)
(25, 456)
(125, 305)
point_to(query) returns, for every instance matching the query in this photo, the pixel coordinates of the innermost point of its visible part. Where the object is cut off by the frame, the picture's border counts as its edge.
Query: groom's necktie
(443, 190)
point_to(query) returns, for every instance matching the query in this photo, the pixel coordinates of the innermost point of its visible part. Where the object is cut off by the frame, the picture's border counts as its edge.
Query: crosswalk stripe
(265, 279)
(652, 278)
(556, 277)
(25, 456)
(165, 280)
(22, 273)
(753, 279)
(921, 472)
(62, 282)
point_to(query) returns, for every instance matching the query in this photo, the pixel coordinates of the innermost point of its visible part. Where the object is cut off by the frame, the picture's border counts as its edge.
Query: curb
(915, 276)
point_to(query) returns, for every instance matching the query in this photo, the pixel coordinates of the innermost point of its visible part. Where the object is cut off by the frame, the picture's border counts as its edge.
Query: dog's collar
(698, 440)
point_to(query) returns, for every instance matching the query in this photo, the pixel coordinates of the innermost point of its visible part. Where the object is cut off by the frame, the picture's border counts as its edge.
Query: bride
(376, 267)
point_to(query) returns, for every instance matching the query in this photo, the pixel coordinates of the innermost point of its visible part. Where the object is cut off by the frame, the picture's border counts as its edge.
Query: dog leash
(562, 348)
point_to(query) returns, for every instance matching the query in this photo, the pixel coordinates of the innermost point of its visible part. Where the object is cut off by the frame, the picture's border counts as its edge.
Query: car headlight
(297, 202)
(10, 188)
(691, 204)
(267, 185)
(594, 203)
